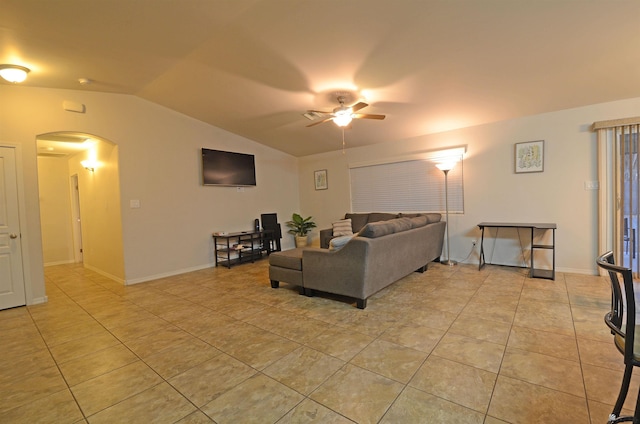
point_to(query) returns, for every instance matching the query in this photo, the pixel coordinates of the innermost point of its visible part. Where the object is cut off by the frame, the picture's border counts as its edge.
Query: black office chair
(620, 322)
(270, 224)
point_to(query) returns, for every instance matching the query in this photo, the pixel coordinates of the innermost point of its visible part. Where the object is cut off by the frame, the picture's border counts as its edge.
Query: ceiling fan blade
(367, 116)
(358, 106)
(319, 111)
(320, 122)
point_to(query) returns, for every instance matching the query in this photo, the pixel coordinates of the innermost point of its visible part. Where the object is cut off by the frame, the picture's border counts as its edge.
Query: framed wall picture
(320, 178)
(529, 157)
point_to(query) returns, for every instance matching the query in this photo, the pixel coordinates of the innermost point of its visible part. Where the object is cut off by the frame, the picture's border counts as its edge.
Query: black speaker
(256, 225)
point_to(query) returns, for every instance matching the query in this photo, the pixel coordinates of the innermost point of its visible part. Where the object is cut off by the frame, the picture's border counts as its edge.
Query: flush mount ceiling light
(14, 73)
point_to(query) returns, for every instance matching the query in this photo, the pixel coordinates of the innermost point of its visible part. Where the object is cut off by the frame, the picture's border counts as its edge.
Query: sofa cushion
(419, 221)
(291, 259)
(358, 220)
(342, 228)
(338, 243)
(377, 229)
(433, 217)
(409, 215)
(381, 216)
(400, 224)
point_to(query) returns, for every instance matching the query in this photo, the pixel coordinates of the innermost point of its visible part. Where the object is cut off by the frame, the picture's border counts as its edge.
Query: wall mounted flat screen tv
(228, 168)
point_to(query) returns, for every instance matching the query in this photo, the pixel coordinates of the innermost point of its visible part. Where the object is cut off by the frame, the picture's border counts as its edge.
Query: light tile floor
(452, 345)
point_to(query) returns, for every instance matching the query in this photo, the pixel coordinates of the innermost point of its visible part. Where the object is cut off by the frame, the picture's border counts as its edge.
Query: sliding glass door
(628, 198)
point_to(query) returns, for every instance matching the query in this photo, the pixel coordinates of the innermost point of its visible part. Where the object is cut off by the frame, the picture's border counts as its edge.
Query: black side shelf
(549, 274)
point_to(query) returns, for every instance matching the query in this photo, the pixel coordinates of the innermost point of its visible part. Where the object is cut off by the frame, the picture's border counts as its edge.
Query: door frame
(76, 218)
(24, 228)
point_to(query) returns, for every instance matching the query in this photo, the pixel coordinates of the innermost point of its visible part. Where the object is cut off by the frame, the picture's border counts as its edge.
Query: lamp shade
(446, 166)
(13, 73)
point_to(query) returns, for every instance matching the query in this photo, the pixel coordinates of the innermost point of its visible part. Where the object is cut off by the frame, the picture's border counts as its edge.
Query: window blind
(619, 194)
(405, 186)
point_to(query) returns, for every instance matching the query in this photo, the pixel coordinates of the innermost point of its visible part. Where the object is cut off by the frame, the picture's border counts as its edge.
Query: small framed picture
(320, 178)
(529, 157)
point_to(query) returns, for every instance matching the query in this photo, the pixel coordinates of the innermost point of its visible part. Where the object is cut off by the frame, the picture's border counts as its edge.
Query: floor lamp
(446, 167)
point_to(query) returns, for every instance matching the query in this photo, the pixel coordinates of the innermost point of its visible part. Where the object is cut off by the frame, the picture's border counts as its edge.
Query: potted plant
(300, 228)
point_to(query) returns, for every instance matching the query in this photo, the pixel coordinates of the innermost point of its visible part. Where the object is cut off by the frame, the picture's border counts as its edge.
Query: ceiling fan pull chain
(343, 140)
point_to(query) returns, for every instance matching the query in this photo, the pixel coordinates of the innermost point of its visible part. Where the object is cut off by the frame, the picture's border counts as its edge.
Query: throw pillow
(338, 243)
(342, 228)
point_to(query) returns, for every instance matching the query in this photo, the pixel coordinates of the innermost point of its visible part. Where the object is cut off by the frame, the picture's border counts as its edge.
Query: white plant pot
(302, 241)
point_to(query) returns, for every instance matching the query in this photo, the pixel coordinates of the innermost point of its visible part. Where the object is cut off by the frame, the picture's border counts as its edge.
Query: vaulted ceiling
(253, 67)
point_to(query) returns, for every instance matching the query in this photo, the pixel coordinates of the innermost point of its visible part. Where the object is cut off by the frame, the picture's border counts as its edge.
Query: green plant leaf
(300, 226)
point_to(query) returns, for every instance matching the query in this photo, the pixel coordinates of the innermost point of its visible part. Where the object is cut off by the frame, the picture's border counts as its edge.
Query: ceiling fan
(342, 115)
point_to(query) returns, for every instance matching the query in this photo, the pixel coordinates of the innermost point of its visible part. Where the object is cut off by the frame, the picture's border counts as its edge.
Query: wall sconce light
(89, 165)
(14, 73)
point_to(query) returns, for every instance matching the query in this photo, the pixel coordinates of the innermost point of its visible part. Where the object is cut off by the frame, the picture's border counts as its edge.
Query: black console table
(236, 248)
(549, 274)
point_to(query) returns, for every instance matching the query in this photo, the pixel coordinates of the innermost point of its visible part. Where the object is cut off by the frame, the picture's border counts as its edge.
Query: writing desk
(535, 272)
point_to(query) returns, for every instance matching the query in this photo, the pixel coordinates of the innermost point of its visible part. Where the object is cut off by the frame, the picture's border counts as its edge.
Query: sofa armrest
(325, 237)
(340, 272)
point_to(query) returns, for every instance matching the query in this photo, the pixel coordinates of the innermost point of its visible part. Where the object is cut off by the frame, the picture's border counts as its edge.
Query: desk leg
(481, 260)
(531, 254)
(215, 249)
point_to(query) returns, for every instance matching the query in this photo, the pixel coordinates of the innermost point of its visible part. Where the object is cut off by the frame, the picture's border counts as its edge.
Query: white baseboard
(167, 274)
(104, 274)
(38, 300)
(577, 271)
(59, 263)
(520, 265)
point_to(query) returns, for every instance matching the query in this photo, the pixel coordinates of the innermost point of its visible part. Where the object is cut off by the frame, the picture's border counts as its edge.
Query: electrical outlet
(473, 243)
(591, 185)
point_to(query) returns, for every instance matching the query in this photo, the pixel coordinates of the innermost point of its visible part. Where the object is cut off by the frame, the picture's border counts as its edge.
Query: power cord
(522, 251)
(469, 255)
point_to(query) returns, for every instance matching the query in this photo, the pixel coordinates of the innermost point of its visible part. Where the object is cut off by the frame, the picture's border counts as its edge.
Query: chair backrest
(270, 222)
(618, 319)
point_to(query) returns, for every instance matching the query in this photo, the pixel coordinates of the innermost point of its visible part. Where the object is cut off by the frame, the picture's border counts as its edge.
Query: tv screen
(228, 168)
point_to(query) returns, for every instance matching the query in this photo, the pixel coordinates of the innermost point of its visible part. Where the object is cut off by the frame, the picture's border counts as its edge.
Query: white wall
(55, 208)
(171, 232)
(159, 166)
(493, 192)
(100, 209)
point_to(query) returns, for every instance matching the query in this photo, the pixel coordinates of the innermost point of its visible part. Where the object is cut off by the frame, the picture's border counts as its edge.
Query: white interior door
(12, 291)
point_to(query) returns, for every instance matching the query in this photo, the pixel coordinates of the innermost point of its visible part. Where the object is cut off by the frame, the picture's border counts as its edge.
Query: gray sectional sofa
(376, 256)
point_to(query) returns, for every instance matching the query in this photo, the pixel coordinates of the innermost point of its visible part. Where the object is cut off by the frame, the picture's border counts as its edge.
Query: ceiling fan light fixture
(14, 73)
(341, 115)
(342, 121)
(343, 118)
